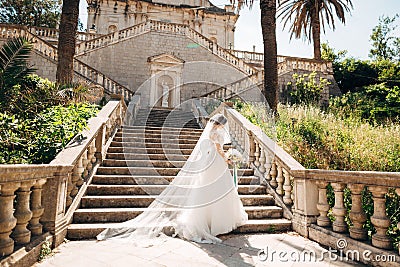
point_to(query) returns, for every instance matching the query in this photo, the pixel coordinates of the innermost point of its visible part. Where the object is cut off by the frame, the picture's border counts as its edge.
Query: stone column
(339, 210)
(36, 206)
(357, 214)
(322, 206)
(23, 214)
(379, 219)
(7, 219)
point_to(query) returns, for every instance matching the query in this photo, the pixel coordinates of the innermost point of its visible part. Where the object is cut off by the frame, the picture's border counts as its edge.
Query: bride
(199, 204)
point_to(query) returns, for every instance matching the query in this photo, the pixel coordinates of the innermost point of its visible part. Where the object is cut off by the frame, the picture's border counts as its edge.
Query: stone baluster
(273, 173)
(90, 154)
(287, 187)
(257, 154)
(357, 214)
(80, 171)
(268, 164)
(36, 206)
(322, 206)
(379, 219)
(279, 180)
(85, 162)
(70, 190)
(21, 234)
(262, 160)
(7, 219)
(339, 210)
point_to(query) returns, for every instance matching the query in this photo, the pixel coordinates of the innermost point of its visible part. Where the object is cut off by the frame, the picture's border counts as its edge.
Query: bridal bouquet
(236, 157)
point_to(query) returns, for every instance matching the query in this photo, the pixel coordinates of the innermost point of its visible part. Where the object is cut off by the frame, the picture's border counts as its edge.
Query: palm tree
(268, 27)
(307, 16)
(66, 41)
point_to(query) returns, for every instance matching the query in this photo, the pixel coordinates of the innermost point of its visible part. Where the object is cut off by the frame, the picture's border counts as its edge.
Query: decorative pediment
(165, 59)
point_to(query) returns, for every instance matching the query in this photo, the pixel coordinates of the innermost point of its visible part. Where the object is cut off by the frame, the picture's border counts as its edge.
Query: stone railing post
(379, 219)
(339, 210)
(7, 219)
(305, 210)
(357, 214)
(54, 204)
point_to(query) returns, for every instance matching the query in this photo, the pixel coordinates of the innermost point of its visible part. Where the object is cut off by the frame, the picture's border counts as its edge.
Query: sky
(353, 36)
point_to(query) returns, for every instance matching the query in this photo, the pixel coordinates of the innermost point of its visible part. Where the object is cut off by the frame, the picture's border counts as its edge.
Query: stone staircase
(141, 160)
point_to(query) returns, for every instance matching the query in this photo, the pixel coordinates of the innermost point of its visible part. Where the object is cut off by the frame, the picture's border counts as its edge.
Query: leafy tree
(40, 13)
(268, 27)
(307, 16)
(385, 45)
(306, 90)
(67, 41)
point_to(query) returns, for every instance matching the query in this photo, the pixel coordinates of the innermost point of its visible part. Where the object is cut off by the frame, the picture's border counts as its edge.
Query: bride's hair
(218, 119)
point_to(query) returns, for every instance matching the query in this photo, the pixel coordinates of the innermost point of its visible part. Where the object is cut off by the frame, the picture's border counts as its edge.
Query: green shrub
(306, 90)
(38, 140)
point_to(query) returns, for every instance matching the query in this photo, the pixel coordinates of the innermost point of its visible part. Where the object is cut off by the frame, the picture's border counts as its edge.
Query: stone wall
(127, 63)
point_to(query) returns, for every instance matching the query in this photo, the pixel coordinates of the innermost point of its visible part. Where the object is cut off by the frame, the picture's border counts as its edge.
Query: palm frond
(14, 57)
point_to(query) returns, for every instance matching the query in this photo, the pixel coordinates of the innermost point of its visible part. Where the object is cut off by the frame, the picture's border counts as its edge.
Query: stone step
(90, 231)
(163, 135)
(160, 139)
(96, 215)
(152, 145)
(161, 125)
(143, 163)
(98, 190)
(152, 171)
(142, 150)
(124, 201)
(163, 129)
(135, 156)
(153, 180)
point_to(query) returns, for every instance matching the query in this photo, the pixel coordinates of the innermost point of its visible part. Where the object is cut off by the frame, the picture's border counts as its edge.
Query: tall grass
(321, 140)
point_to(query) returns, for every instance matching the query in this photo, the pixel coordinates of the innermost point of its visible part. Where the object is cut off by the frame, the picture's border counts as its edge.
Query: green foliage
(385, 44)
(329, 54)
(38, 140)
(41, 13)
(14, 56)
(306, 90)
(45, 250)
(375, 104)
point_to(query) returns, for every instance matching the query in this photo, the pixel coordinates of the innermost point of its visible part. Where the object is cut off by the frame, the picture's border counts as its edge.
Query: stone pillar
(7, 219)
(357, 214)
(23, 214)
(54, 204)
(36, 206)
(379, 219)
(339, 210)
(287, 187)
(305, 210)
(322, 206)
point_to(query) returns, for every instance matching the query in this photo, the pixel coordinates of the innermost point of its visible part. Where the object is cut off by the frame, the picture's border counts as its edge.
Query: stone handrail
(49, 33)
(303, 192)
(199, 112)
(45, 194)
(307, 64)
(110, 86)
(160, 26)
(81, 69)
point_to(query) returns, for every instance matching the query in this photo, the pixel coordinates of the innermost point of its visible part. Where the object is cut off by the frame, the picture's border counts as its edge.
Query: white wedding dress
(199, 204)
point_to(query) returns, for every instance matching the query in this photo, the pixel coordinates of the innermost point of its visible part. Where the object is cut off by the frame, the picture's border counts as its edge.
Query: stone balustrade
(174, 28)
(110, 86)
(41, 198)
(302, 193)
(293, 64)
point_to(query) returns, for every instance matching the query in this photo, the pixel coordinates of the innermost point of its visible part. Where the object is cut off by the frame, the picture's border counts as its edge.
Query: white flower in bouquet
(234, 155)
